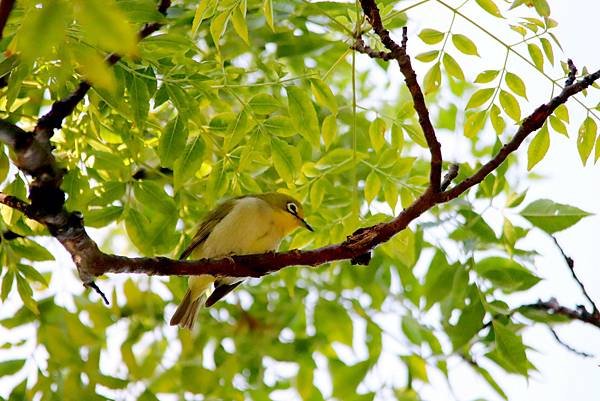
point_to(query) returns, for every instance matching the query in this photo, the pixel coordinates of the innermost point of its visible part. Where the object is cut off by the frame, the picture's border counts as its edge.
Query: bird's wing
(221, 289)
(207, 225)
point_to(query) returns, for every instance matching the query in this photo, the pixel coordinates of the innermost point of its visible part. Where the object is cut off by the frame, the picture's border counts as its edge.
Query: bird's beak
(305, 224)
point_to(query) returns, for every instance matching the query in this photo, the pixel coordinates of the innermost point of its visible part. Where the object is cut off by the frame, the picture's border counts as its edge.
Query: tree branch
(552, 307)
(6, 7)
(410, 77)
(567, 346)
(571, 264)
(34, 156)
(530, 124)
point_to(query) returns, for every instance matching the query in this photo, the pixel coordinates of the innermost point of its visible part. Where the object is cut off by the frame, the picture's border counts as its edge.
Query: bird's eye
(292, 208)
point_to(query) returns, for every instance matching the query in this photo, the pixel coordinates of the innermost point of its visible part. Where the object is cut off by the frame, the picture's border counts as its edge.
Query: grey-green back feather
(208, 224)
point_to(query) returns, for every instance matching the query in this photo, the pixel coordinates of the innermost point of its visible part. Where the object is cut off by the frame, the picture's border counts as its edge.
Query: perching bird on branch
(245, 225)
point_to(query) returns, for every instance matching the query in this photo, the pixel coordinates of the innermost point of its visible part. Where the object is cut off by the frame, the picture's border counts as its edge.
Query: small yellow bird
(244, 225)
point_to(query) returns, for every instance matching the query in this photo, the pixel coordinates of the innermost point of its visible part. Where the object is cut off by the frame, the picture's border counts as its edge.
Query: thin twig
(567, 346)
(450, 176)
(571, 264)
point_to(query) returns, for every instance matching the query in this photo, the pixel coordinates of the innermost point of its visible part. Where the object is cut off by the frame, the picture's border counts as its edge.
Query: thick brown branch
(530, 124)
(63, 108)
(6, 7)
(399, 53)
(16, 203)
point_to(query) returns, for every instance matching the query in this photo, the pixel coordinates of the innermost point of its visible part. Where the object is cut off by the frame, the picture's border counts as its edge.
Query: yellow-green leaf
(104, 24)
(474, 123)
(205, 9)
(376, 133)
(303, 114)
(490, 7)
(172, 141)
(239, 25)
(538, 147)
(586, 138)
(497, 121)
(452, 67)
(536, 56)
(268, 11)
(432, 79)
(542, 7)
(372, 186)
(218, 25)
(323, 94)
(286, 160)
(329, 130)
(431, 36)
(547, 46)
(558, 126)
(479, 97)
(427, 56)
(515, 84)
(464, 44)
(486, 76)
(510, 105)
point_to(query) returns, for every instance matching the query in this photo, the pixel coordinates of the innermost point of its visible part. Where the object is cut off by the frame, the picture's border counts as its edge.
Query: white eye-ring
(292, 208)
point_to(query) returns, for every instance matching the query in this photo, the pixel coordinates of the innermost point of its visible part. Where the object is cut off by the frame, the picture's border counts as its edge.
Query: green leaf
(486, 76)
(238, 20)
(431, 36)
(372, 186)
(32, 274)
(218, 25)
(104, 24)
(329, 130)
(490, 7)
(536, 56)
(433, 79)
(268, 11)
(303, 115)
(323, 95)
(279, 126)
(597, 151)
(189, 162)
(452, 67)
(515, 84)
(586, 138)
(412, 329)
(479, 97)
(474, 123)
(558, 126)
(506, 274)
(26, 294)
(152, 196)
(204, 10)
(43, 28)
(510, 105)
(139, 99)
(469, 323)
(542, 7)
(510, 347)
(264, 104)
(11, 367)
(428, 56)
(497, 121)
(172, 141)
(7, 284)
(464, 44)
(376, 133)
(538, 147)
(238, 129)
(552, 217)
(286, 160)
(547, 46)
(338, 329)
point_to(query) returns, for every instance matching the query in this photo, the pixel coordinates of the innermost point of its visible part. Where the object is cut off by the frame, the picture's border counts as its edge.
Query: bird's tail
(186, 312)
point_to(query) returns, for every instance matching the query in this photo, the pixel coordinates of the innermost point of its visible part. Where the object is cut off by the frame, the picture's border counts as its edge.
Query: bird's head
(288, 205)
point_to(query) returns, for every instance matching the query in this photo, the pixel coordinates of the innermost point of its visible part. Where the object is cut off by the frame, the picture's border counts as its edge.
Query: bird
(243, 225)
